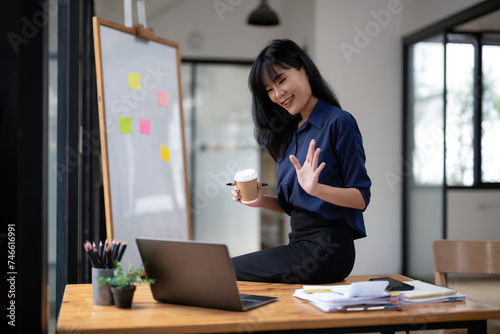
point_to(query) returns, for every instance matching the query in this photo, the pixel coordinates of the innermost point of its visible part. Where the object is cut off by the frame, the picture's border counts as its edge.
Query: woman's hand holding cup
(247, 190)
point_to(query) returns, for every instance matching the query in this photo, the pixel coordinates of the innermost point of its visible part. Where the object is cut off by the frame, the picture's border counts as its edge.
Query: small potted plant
(123, 283)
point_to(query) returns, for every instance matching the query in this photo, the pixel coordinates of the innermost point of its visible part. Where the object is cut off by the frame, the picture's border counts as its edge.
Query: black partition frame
(80, 204)
(441, 28)
(23, 151)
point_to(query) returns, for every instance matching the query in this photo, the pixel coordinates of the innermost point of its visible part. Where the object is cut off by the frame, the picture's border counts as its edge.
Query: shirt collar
(317, 117)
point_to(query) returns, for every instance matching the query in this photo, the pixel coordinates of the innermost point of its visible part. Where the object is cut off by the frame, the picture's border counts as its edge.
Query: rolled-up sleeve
(348, 145)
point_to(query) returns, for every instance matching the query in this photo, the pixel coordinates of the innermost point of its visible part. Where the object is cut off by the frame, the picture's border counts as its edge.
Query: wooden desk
(78, 314)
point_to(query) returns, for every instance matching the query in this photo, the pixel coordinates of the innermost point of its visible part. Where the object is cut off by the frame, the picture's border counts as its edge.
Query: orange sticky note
(134, 81)
(125, 125)
(163, 99)
(145, 126)
(165, 153)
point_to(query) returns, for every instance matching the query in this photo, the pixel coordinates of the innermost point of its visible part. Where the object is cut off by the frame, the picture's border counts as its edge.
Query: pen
(109, 257)
(103, 255)
(101, 252)
(97, 258)
(115, 250)
(121, 250)
(233, 184)
(92, 255)
(91, 258)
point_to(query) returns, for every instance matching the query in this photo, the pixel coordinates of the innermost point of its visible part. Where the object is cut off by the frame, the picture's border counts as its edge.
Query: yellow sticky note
(317, 290)
(125, 125)
(134, 81)
(165, 153)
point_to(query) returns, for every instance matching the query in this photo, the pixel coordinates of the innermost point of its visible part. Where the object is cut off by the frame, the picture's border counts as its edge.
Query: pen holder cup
(101, 295)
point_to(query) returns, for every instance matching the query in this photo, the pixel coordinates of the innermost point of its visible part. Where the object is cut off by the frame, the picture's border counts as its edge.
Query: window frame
(478, 40)
(441, 27)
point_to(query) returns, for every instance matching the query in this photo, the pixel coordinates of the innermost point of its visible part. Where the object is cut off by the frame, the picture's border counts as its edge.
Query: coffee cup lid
(245, 175)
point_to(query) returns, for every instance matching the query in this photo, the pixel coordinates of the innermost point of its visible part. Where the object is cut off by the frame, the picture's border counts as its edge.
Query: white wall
(299, 24)
(365, 71)
(205, 29)
(359, 50)
(422, 13)
(218, 29)
(473, 214)
(368, 81)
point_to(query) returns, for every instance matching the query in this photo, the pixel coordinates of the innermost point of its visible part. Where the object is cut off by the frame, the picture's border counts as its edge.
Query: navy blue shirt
(336, 132)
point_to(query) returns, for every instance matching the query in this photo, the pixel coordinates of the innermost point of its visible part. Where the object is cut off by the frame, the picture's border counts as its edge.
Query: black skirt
(319, 251)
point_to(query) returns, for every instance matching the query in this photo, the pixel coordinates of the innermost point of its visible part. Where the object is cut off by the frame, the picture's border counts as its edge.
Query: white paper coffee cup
(247, 184)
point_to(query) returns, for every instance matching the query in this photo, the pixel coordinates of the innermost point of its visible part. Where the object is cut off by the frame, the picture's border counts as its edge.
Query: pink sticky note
(163, 100)
(145, 126)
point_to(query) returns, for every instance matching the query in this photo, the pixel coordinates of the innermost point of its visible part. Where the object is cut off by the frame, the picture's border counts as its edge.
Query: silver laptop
(194, 273)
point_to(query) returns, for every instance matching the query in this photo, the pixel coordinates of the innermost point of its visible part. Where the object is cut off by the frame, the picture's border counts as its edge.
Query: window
(472, 110)
(427, 125)
(490, 124)
(451, 115)
(459, 112)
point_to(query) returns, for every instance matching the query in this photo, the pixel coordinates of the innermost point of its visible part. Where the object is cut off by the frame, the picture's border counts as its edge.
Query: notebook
(426, 290)
(194, 273)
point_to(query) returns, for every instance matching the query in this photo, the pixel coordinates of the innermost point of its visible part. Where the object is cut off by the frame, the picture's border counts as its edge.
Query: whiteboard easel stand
(141, 27)
(128, 12)
(138, 30)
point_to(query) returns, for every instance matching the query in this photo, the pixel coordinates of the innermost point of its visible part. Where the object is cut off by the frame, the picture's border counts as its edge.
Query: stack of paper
(372, 296)
(429, 293)
(357, 296)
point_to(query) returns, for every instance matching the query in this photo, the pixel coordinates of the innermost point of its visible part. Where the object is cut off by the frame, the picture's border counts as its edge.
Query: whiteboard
(142, 139)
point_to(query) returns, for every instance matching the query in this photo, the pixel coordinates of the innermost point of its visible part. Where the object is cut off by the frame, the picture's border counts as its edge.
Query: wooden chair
(466, 257)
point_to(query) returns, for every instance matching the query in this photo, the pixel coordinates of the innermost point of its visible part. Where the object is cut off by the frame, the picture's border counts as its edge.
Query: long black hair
(274, 126)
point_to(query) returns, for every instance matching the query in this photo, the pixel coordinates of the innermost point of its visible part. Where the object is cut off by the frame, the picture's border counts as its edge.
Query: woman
(322, 180)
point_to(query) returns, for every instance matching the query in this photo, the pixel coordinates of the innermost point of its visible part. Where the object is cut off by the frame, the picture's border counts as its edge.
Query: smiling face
(290, 89)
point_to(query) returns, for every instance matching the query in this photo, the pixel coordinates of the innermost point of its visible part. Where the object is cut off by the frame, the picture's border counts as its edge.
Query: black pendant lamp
(263, 16)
